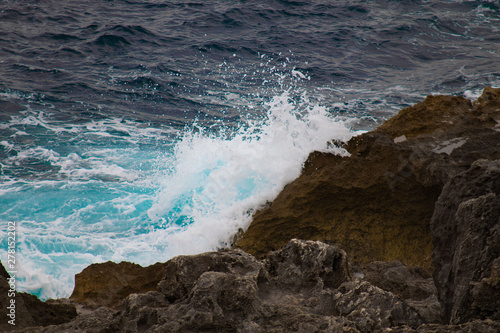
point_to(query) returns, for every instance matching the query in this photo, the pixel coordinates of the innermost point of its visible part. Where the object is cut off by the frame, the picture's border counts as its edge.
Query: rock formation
(306, 286)
(377, 204)
(416, 207)
(107, 284)
(466, 232)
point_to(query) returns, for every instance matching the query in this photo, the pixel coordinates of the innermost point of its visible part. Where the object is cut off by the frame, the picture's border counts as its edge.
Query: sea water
(141, 130)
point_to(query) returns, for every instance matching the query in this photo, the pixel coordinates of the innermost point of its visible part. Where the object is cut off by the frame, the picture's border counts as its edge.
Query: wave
(123, 203)
(94, 98)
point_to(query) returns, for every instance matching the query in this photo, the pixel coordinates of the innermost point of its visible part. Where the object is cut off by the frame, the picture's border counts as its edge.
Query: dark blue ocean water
(140, 130)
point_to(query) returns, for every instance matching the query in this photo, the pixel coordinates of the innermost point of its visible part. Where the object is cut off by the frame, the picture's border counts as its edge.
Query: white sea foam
(473, 94)
(215, 183)
(191, 200)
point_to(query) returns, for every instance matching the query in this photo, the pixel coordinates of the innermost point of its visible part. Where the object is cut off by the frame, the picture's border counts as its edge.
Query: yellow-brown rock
(377, 203)
(107, 284)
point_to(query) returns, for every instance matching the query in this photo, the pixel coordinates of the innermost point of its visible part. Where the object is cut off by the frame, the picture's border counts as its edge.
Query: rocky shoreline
(402, 236)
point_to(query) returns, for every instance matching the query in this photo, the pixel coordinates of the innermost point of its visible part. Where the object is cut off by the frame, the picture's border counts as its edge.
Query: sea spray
(216, 183)
(103, 205)
(90, 112)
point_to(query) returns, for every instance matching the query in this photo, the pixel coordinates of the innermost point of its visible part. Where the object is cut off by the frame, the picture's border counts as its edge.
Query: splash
(107, 203)
(216, 183)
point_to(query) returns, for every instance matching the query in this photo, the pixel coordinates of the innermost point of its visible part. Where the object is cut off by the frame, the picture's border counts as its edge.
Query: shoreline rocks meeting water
(401, 236)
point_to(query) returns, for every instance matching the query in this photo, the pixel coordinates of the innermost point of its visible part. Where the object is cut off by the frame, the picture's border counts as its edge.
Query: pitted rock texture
(415, 285)
(182, 272)
(476, 326)
(466, 234)
(307, 286)
(302, 265)
(372, 308)
(304, 287)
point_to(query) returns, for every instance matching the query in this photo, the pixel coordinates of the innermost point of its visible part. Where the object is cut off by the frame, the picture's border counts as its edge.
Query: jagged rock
(304, 287)
(485, 294)
(408, 283)
(414, 285)
(229, 291)
(466, 234)
(107, 284)
(372, 308)
(181, 273)
(308, 264)
(29, 310)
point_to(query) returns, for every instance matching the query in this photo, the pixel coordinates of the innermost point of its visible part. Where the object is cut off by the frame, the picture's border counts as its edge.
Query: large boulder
(377, 203)
(182, 273)
(302, 265)
(466, 234)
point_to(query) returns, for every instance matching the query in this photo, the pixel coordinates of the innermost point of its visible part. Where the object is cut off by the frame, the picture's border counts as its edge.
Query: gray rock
(372, 308)
(182, 272)
(466, 235)
(414, 285)
(476, 326)
(308, 265)
(408, 283)
(304, 287)
(231, 291)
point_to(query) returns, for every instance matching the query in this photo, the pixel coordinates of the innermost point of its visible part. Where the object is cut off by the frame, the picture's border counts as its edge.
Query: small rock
(372, 308)
(308, 265)
(182, 272)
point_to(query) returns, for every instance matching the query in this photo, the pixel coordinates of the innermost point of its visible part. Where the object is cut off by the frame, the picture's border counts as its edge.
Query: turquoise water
(114, 190)
(140, 130)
